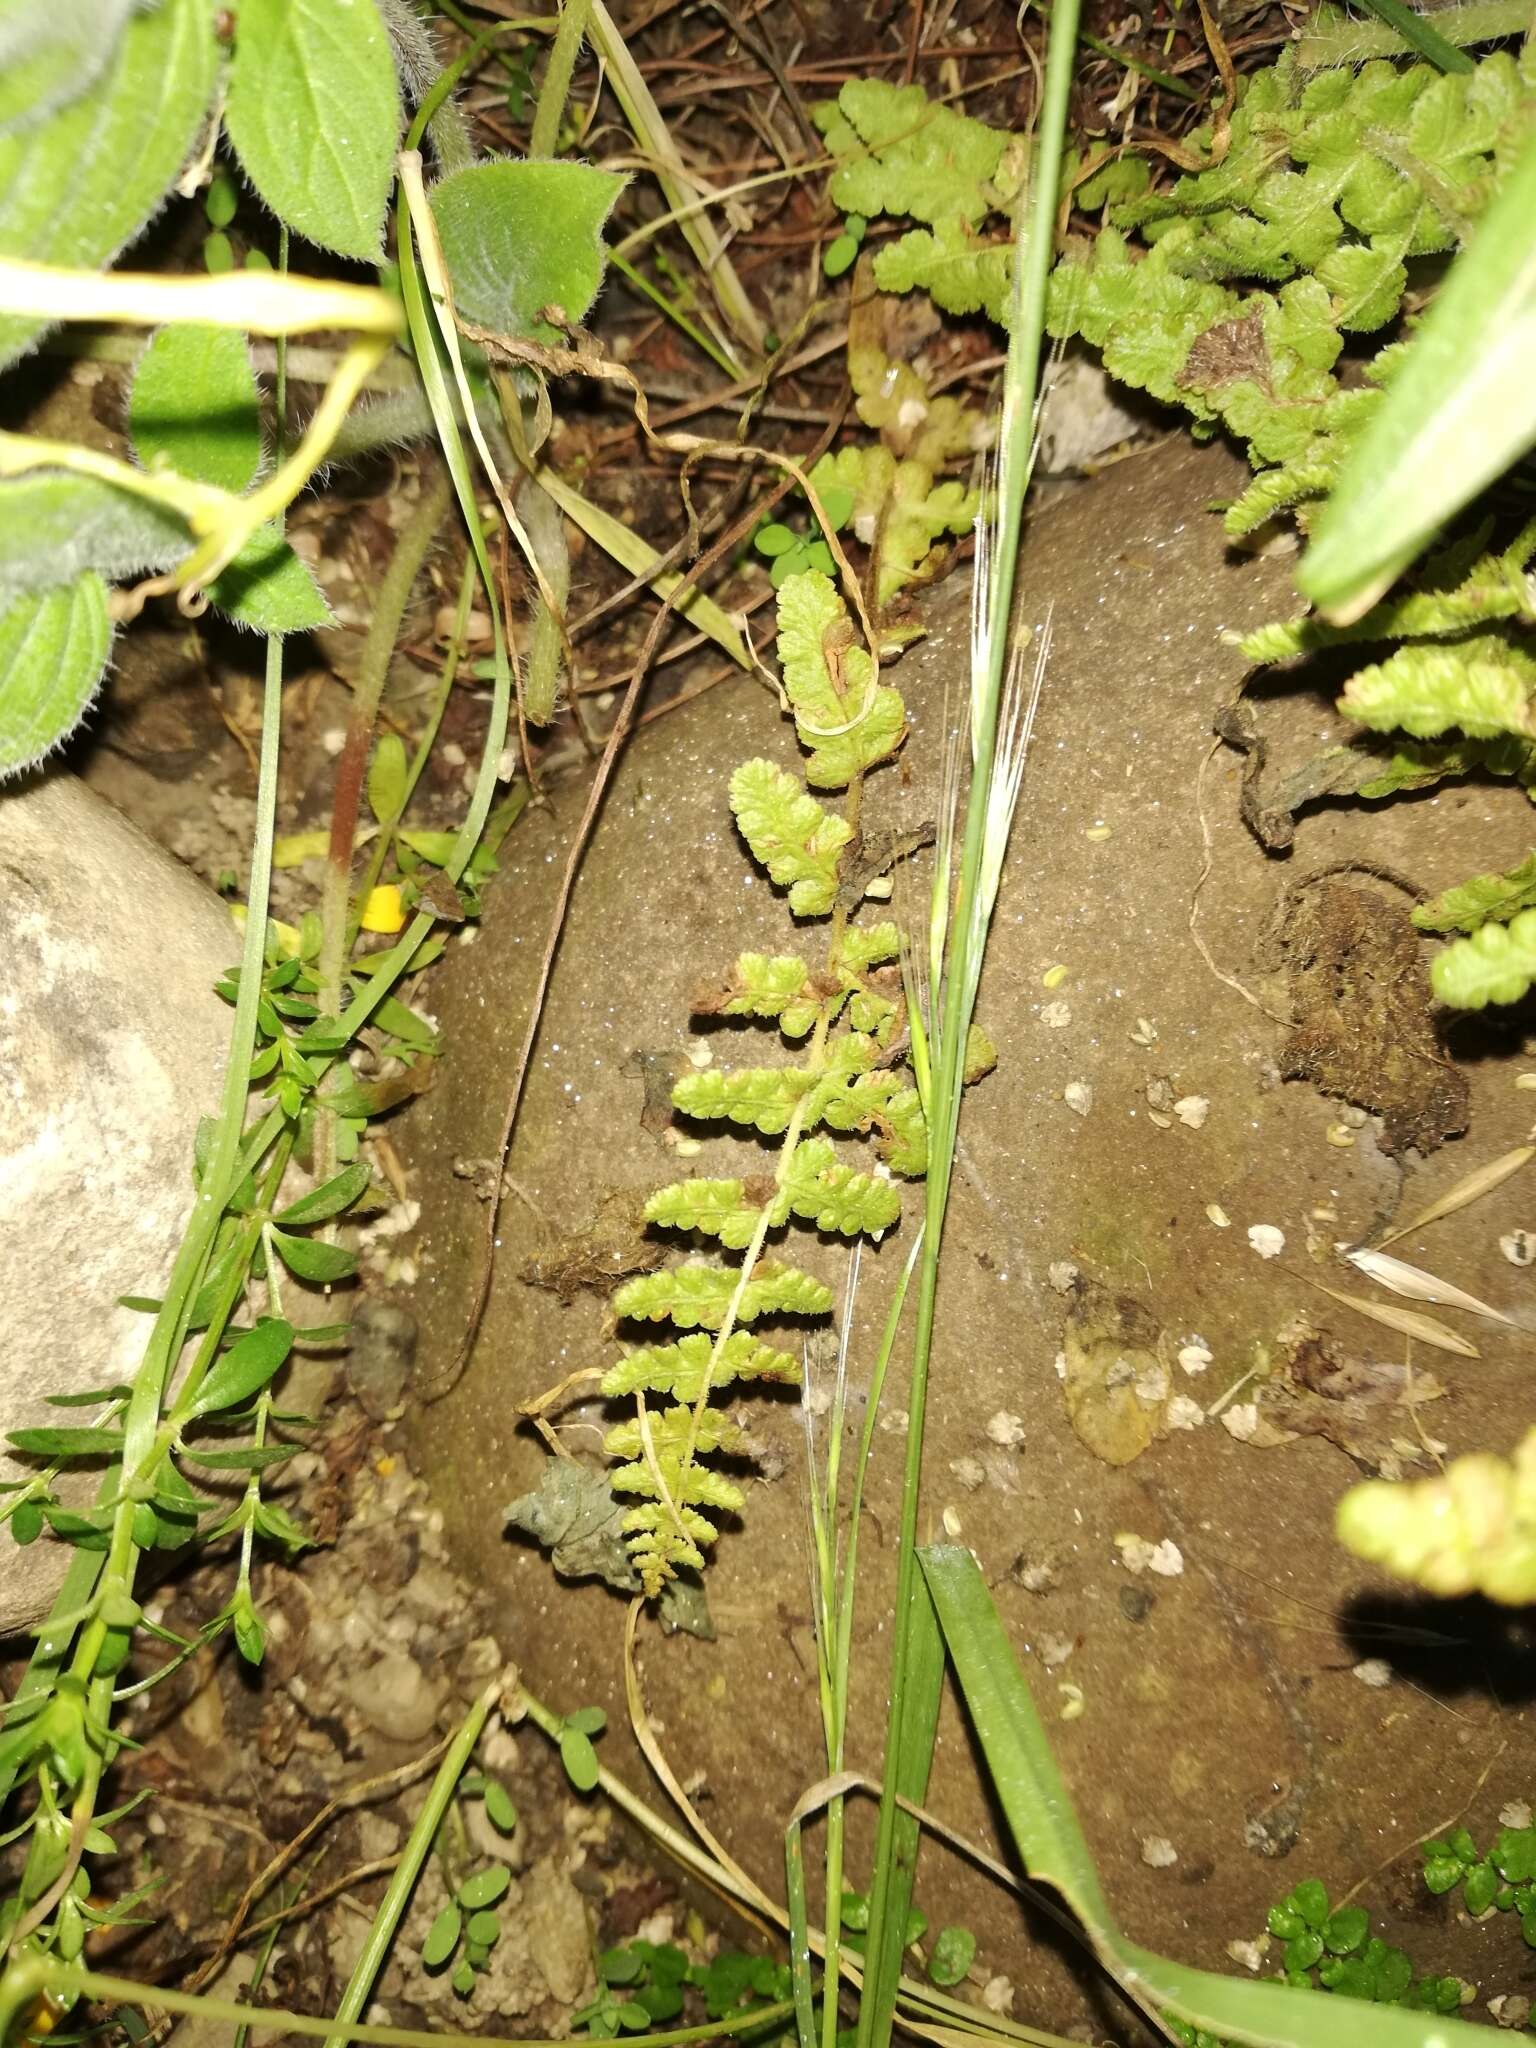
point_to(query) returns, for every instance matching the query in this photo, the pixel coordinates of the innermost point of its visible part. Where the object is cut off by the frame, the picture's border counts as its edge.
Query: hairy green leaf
(790, 835)
(1497, 964)
(78, 186)
(313, 112)
(267, 587)
(678, 1369)
(521, 236)
(193, 407)
(1480, 686)
(845, 718)
(314, 1260)
(52, 658)
(327, 1200)
(85, 1441)
(697, 1296)
(53, 653)
(50, 55)
(55, 526)
(1485, 899)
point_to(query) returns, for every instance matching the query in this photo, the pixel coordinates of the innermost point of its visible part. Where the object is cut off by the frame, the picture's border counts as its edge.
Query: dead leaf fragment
(1116, 1385)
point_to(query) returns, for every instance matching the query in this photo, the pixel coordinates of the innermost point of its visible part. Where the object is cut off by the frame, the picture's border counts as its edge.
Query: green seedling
(791, 552)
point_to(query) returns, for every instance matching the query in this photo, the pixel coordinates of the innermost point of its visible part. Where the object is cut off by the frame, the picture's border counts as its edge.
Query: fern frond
(1453, 595)
(1485, 899)
(866, 946)
(762, 1097)
(678, 1369)
(900, 153)
(658, 1545)
(821, 1190)
(1480, 686)
(790, 834)
(672, 1430)
(776, 985)
(720, 1208)
(898, 504)
(696, 1296)
(843, 718)
(1470, 1529)
(1435, 761)
(1497, 964)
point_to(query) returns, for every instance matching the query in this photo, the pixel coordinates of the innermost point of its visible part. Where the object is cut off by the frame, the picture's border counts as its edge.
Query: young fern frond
(845, 1078)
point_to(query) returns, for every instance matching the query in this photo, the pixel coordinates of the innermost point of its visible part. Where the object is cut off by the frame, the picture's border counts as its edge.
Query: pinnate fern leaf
(1485, 899)
(776, 985)
(720, 1208)
(1497, 964)
(821, 1190)
(678, 1369)
(1458, 590)
(843, 717)
(762, 1097)
(1470, 1529)
(867, 945)
(900, 153)
(959, 269)
(899, 505)
(797, 841)
(1480, 686)
(696, 1296)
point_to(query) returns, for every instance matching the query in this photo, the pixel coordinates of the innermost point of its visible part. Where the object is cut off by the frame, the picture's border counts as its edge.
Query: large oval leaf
(522, 236)
(53, 650)
(76, 188)
(314, 115)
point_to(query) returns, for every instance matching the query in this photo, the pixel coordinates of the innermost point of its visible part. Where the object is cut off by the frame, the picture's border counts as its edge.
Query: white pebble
(1062, 1275)
(1515, 1813)
(952, 1524)
(1266, 1240)
(969, 1472)
(1078, 1097)
(1158, 1851)
(1241, 1420)
(1519, 1247)
(1195, 1356)
(1192, 1110)
(1374, 1671)
(1056, 1015)
(1218, 1215)
(1183, 1413)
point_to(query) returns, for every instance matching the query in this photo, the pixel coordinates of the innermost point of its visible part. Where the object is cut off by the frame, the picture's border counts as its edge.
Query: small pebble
(1519, 1247)
(1266, 1240)
(1056, 1016)
(1510, 2008)
(1145, 1032)
(1250, 1954)
(970, 1473)
(1525, 1080)
(1078, 1097)
(1158, 1851)
(1098, 833)
(1137, 1602)
(1183, 1413)
(997, 1994)
(1374, 1671)
(1340, 1135)
(1218, 1215)
(1055, 1650)
(1192, 1110)
(1062, 1275)
(952, 1524)
(1241, 1420)
(1515, 1813)
(1195, 1356)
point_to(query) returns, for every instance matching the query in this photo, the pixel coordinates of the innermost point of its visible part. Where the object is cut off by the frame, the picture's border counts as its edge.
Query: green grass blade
(919, 1683)
(1418, 35)
(800, 1936)
(1459, 412)
(1054, 1851)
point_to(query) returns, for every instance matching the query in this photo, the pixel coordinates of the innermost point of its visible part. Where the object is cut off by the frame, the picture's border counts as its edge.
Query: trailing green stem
(544, 136)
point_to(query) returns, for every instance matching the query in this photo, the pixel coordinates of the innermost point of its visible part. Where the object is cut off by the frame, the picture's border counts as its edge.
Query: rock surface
(1135, 1133)
(112, 1045)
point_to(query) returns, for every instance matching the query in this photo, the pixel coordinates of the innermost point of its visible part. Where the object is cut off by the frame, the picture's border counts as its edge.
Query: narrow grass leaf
(1407, 1320)
(1481, 1181)
(1418, 1285)
(1050, 1840)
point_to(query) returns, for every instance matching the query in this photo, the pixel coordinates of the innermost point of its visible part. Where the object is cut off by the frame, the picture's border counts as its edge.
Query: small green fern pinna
(843, 1016)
